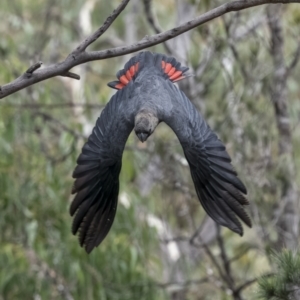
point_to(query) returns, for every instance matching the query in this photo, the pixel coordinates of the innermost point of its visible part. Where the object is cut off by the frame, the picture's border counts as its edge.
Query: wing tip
(238, 229)
(73, 190)
(89, 248)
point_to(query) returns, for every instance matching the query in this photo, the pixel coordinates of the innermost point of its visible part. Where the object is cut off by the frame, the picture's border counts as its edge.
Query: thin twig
(212, 258)
(34, 67)
(71, 75)
(236, 293)
(152, 22)
(225, 261)
(92, 38)
(249, 282)
(295, 60)
(234, 50)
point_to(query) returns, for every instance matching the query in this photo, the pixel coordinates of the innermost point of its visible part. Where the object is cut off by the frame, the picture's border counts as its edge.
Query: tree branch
(212, 258)
(225, 261)
(92, 38)
(249, 282)
(152, 22)
(70, 75)
(60, 69)
(80, 56)
(287, 211)
(227, 267)
(235, 51)
(295, 60)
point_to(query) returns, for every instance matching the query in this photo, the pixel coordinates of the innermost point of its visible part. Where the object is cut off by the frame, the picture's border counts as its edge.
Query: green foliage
(286, 278)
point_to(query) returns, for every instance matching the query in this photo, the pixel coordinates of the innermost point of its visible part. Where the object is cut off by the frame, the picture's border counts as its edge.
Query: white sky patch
(182, 160)
(162, 231)
(157, 224)
(124, 200)
(173, 251)
(85, 17)
(228, 65)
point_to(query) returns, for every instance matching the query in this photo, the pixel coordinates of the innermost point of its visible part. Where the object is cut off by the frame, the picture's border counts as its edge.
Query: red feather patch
(124, 77)
(173, 73)
(169, 67)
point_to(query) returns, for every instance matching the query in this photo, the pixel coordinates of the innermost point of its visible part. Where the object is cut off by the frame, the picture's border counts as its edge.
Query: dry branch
(80, 56)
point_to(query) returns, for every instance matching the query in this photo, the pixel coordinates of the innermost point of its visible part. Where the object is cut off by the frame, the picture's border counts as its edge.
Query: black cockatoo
(147, 96)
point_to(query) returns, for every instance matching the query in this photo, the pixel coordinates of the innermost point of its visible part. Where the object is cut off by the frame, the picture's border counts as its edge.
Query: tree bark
(287, 212)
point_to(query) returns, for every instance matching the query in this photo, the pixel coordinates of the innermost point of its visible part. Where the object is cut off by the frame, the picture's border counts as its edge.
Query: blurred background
(162, 245)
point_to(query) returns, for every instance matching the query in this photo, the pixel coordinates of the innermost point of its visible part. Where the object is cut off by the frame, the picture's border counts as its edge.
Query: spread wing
(97, 173)
(219, 190)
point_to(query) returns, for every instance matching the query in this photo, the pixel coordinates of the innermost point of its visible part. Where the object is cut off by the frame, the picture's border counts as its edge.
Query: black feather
(218, 187)
(97, 175)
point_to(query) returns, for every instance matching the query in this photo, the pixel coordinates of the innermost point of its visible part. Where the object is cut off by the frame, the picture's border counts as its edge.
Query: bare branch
(242, 33)
(150, 17)
(295, 60)
(287, 212)
(92, 38)
(62, 68)
(71, 75)
(225, 261)
(249, 282)
(212, 258)
(227, 267)
(235, 51)
(80, 56)
(169, 34)
(152, 22)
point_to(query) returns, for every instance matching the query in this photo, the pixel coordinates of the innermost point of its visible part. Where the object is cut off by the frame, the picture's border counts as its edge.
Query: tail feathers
(171, 69)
